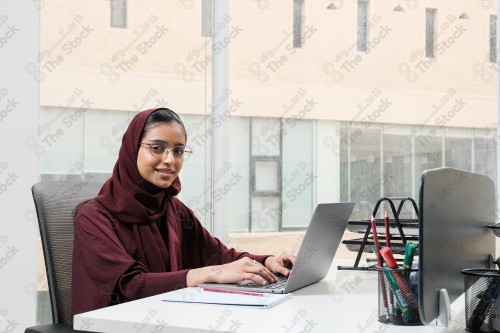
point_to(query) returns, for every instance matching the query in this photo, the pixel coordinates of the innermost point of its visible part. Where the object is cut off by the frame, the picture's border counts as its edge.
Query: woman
(136, 239)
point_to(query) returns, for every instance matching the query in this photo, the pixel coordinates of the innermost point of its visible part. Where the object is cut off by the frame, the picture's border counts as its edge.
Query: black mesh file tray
(400, 231)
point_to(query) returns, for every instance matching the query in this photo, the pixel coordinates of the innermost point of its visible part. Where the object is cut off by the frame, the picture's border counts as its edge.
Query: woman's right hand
(236, 271)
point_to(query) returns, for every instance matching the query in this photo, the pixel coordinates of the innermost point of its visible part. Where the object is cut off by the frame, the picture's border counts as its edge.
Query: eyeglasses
(159, 149)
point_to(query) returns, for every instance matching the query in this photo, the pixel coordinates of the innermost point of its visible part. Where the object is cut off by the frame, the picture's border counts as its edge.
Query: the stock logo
(11, 32)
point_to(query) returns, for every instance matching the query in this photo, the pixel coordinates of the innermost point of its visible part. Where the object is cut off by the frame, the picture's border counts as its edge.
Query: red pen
(388, 244)
(230, 291)
(386, 253)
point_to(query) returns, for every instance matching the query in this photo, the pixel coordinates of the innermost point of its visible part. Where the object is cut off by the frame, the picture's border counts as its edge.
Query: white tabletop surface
(346, 301)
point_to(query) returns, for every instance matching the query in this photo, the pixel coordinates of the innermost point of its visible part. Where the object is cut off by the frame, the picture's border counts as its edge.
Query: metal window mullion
(498, 110)
(280, 178)
(219, 86)
(472, 153)
(348, 162)
(443, 148)
(412, 161)
(382, 163)
(252, 171)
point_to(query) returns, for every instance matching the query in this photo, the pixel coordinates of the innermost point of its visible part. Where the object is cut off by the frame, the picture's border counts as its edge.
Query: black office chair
(54, 203)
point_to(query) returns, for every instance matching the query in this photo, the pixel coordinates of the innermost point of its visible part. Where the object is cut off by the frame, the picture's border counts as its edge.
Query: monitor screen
(454, 208)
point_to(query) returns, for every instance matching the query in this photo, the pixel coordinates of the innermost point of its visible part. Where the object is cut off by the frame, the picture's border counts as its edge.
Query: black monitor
(454, 208)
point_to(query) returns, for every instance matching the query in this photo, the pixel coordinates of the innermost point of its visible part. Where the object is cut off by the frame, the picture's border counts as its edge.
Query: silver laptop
(315, 255)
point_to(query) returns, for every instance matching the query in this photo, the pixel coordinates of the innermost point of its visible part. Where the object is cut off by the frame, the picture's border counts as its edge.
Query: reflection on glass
(265, 214)
(397, 166)
(458, 153)
(266, 179)
(485, 156)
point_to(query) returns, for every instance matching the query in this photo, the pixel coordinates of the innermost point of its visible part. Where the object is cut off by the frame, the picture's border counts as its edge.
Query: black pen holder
(482, 300)
(398, 296)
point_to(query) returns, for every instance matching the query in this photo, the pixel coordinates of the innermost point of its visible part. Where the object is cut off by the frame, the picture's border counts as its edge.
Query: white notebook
(221, 296)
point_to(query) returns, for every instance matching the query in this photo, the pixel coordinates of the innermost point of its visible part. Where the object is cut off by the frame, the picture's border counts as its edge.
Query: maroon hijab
(133, 200)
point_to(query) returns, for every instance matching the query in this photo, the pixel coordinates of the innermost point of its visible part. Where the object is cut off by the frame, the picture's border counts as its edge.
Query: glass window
(60, 142)
(276, 127)
(430, 32)
(365, 168)
(428, 149)
(196, 175)
(493, 38)
(343, 145)
(265, 174)
(458, 149)
(362, 24)
(397, 162)
(118, 13)
(297, 23)
(485, 152)
(299, 176)
(207, 13)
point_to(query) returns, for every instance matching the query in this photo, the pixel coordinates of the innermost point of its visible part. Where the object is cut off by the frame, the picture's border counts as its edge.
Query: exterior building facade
(322, 100)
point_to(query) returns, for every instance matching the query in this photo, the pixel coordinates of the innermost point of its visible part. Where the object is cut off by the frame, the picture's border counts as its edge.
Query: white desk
(346, 301)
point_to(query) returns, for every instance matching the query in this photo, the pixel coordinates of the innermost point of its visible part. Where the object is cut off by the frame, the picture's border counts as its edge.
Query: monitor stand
(444, 316)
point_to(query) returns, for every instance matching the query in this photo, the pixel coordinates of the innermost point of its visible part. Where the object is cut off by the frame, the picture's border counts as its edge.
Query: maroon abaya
(119, 253)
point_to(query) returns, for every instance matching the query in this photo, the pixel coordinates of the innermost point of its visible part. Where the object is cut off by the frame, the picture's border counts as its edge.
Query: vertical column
(219, 226)
(19, 112)
(498, 119)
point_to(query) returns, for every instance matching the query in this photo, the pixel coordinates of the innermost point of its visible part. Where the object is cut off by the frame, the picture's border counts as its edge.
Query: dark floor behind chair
(54, 203)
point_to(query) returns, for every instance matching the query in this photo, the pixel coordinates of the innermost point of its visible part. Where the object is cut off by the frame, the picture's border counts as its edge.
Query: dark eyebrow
(165, 142)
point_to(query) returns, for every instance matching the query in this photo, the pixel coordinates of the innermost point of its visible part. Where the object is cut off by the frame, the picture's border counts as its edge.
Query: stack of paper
(228, 297)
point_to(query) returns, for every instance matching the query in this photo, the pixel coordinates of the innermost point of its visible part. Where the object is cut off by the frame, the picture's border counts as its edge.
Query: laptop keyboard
(279, 284)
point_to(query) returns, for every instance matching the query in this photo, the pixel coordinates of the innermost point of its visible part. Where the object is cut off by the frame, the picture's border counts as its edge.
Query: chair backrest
(54, 203)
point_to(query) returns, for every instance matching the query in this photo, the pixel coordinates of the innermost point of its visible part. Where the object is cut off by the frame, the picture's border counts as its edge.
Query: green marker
(409, 254)
(401, 305)
(400, 298)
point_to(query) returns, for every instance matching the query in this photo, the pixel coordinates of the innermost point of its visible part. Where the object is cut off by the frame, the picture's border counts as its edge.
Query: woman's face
(162, 169)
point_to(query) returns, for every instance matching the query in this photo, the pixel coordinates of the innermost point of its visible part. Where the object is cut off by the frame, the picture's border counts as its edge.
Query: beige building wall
(116, 69)
(341, 79)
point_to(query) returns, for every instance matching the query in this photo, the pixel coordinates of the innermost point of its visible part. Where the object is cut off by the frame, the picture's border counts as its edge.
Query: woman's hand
(236, 271)
(281, 264)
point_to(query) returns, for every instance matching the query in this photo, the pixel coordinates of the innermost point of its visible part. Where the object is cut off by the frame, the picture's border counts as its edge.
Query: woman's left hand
(281, 264)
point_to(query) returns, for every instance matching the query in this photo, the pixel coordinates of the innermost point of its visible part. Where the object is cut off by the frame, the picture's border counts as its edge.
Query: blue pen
(414, 277)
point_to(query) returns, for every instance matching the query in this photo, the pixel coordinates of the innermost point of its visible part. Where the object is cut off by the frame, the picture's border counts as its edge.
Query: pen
(384, 292)
(400, 298)
(408, 259)
(409, 254)
(414, 277)
(229, 291)
(397, 281)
